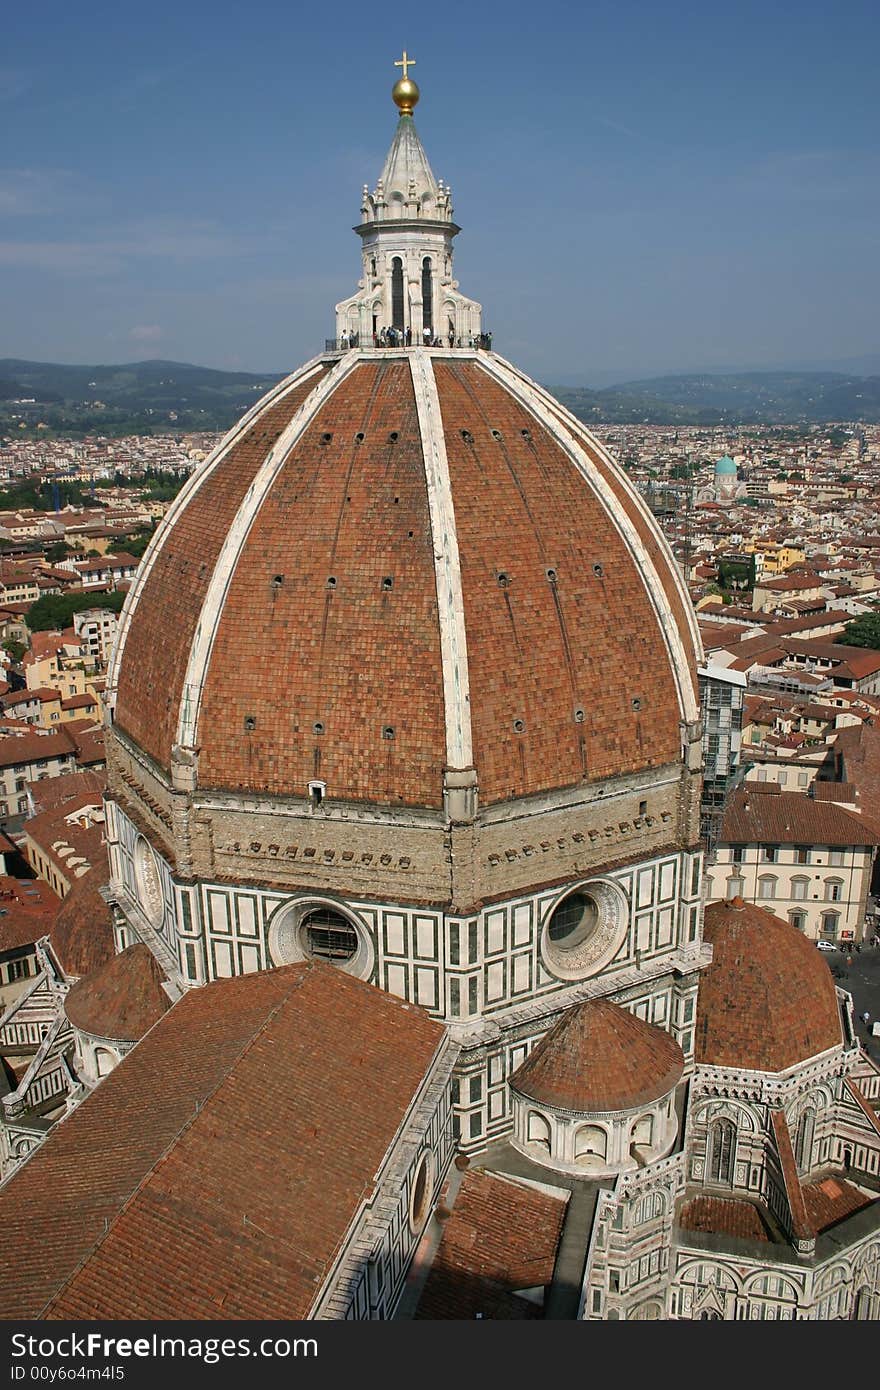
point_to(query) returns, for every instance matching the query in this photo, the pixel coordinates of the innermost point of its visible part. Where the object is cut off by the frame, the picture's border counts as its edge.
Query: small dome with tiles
(768, 1000)
(598, 1058)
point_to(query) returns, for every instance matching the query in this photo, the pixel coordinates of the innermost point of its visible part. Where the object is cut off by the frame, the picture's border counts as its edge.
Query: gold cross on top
(405, 63)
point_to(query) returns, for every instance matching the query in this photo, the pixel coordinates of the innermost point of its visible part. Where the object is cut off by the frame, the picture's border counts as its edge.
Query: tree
(862, 632)
(56, 610)
(56, 552)
(137, 544)
(14, 649)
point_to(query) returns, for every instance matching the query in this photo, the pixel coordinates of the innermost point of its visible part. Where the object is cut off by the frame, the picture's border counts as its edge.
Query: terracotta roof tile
(31, 748)
(201, 1179)
(329, 633)
(831, 1200)
(790, 818)
(170, 602)
(122, 999)
(501, 1236)
(28, 909)
(600, 1057)
(768, 1000)
(801, 1226)
(723, 1216)
(82, 936)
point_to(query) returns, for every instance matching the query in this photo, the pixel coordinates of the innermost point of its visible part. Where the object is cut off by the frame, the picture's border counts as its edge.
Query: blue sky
(642, 187)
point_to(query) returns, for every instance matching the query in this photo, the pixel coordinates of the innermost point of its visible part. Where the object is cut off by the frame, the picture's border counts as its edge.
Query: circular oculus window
(584, 930)
(149, 883)
(319, 931)
(421, 1193)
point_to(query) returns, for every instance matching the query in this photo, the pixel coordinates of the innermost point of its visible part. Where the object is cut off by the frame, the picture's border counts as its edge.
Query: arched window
(539, 1131)
(833, 890)
(427, 296)
(803, 1144)
(722, 1148)
(766, 886)
(799, 888)
(397, 292)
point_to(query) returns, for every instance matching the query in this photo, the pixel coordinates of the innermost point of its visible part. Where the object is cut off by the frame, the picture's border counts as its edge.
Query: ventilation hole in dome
(526, 434)
(393, 437)
(388, 731)
(250, 723)
(599, 571)
(579, 714)
(503, 578)
(552, 575)
(277, 581)
(643, 808)
(359, 437)
(467, 436)
(637, 704)
(388, 582)
(519, 726)
(325, 438)
(331, 581)
(496, 434)
(317, 727)
(396, 500)
(409, 533)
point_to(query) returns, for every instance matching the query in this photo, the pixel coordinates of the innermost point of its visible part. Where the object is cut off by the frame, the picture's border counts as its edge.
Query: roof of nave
(202, 1179)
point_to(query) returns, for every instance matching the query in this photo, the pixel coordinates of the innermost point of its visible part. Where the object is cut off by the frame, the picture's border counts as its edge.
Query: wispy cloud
(620, 127)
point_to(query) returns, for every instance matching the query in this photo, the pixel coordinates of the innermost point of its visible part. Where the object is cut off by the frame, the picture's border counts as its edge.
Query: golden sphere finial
(405, 93)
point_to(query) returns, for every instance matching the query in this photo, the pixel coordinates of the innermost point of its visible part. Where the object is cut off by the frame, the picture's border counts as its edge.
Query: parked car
(826, 946)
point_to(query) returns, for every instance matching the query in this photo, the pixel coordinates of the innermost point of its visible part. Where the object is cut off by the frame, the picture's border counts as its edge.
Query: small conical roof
(122, 999)
(407, 164)
(600, 1057)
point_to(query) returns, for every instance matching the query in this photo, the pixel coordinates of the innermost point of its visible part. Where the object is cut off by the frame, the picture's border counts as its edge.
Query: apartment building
(805, 860)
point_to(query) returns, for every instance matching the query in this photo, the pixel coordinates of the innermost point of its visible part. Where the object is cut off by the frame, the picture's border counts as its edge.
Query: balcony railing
(398, 339)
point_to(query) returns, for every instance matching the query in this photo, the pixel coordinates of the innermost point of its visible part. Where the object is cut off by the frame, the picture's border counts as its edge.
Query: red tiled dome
(82, 936)
(768, 1000)
(122, 999)
(600, 1057)
(286, 621)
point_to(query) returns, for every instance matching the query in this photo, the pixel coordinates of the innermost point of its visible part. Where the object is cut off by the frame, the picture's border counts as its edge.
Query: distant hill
(136, 385)
(738, 398)
(154, 396)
